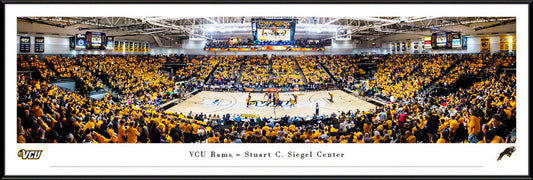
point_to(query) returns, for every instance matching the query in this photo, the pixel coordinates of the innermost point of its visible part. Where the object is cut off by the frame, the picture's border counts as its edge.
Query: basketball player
(248, 100)
(279, 103)
(276, 96)
(295, 98)
(330, 96)
(292, 103)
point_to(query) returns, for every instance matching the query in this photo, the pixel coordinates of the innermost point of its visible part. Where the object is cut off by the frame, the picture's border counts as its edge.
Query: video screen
(273, 31)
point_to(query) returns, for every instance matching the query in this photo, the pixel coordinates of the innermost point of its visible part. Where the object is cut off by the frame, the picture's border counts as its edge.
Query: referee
(316, 109)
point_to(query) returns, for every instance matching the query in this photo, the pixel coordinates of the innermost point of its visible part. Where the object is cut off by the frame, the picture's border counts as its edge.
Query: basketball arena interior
(262, 79)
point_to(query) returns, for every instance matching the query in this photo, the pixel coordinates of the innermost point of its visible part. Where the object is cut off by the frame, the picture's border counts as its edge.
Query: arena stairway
(300, 71)
(432, 85)
(209, 77)
(328, 72)
(241, 68)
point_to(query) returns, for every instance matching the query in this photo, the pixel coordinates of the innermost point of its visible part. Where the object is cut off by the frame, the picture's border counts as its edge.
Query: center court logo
(29, 154)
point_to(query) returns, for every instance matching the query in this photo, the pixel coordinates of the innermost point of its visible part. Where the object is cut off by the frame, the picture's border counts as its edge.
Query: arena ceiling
(168, 29)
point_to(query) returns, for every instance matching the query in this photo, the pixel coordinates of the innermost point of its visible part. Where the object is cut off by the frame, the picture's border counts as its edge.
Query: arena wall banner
(131, 47)
(39, 44)
(122, 47)
(392, 47)
(504, 43)
(514, 43)
(485, 44)
(403, 46)
(116, 47)
(408, 44)
(80, 41)
(110, 43)
(464, 41)
(456, 41)
(126, 46)
(397, 46)
(427, 42)
(24, 44)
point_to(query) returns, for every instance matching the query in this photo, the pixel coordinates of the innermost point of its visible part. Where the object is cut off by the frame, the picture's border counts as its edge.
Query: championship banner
(485, 44)
(409, 45)
(126, 46)
(131, 47)
(403, 46)
(147, 48)
(39, 44)
(116, 47)
(514, 43)
(415, 46)
(397, 46)
(24, 44)
(392, 47)
(504, 43)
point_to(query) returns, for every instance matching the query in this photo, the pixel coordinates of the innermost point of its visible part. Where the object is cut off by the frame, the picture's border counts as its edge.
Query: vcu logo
(29, 154)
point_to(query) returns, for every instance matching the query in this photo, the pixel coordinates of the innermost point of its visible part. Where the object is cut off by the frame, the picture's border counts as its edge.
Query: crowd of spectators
(33, 63)
(76, 68)
(197, 66)
(256, 72)
(342, 67)
(227, 71)
(285, 72)
(406, 76)
(313, 72)
(482, 113)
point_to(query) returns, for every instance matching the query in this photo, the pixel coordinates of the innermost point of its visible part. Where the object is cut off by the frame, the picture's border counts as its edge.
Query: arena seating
(484, 112)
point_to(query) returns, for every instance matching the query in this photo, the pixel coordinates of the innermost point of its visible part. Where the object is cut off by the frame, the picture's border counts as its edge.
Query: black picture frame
(273, 176)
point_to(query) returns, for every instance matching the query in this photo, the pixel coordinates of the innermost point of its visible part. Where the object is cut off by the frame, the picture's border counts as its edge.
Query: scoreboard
(273, 31)
(445, 40)
(95, 40)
